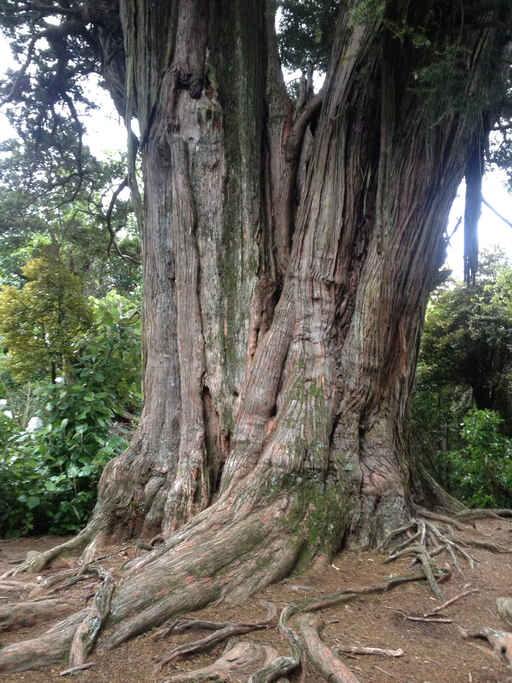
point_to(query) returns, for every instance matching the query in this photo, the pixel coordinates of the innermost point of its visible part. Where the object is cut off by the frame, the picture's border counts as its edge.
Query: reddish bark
(286, 275)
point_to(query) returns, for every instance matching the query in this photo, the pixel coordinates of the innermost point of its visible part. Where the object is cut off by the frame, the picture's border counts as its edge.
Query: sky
(106, 134)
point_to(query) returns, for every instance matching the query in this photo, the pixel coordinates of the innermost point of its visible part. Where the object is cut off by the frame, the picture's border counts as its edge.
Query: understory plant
(480, 472)
(49, 473)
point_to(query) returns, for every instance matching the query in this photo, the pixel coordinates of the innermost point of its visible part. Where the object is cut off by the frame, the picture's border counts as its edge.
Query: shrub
(481, 470)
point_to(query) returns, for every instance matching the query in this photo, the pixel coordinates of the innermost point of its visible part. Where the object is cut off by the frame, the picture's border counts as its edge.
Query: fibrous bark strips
(288, 253)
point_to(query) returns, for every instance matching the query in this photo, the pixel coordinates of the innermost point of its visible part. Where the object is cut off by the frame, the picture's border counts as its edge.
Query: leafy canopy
(41, 322)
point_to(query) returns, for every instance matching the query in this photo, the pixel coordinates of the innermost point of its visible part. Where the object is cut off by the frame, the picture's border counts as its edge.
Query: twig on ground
(440, 608)
(431, 620)
(383, 671)
(75, 669)
(370, 651)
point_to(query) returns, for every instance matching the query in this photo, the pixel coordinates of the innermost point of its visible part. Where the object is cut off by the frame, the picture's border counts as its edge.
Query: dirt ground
(432, 652)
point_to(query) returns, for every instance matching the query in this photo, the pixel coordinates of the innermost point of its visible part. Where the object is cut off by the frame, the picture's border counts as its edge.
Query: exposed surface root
(500, 641)
(229, 561)
(495, 513)
(17, 614)
(504, 608)
(75, 669)
(321, 656)
(49, 648)
(87, 632)
(36, 561)
(223, 631)
(217, 558)
(235, 665)
(432, 534)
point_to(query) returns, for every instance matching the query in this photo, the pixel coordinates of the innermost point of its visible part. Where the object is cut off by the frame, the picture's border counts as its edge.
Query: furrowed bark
(284, 299)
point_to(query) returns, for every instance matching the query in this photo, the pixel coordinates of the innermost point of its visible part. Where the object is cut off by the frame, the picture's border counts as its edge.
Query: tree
(468, 335)
(87, 219)
(41, 322)
(289, 248)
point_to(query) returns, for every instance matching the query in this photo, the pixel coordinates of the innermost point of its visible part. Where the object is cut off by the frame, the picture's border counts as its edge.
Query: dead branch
(356, 650)
(450, 602)
(74, 669)
(430, 620)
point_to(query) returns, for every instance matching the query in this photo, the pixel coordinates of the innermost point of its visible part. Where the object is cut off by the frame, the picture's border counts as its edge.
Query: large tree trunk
(288, 252)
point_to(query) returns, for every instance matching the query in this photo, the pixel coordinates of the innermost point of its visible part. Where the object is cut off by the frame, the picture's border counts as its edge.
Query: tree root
(234, 666)
(87, 632)
(321, 656)
(36, 561)
(16, 588)
(223, 631)
(500, 641)
(484, 513)
(18, 614)
(424, 539)
(75, 669)
(504, 608)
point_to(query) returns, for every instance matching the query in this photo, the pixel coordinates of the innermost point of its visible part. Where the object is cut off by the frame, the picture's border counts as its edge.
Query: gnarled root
(235, 665)
(36, 561)
(432, 534)
(17, 614)
(500, 641)
(504, 608)
(223, 631)
(220, 558)
(87, 632)
(322, 657)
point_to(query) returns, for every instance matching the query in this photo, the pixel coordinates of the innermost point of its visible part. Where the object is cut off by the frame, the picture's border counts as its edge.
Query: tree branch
(505, 220)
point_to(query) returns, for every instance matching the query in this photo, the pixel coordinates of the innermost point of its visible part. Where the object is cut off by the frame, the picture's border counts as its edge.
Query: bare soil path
(433, 648)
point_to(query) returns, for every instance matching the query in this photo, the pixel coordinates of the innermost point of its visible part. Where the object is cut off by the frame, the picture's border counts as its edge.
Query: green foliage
(467, 340)
(306, 31)
(40, 323)
(481, 470)
(466, 361)
(90, 223)
(110, 351)
(48, 477)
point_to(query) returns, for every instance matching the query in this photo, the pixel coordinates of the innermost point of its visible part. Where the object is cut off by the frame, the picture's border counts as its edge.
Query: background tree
(460, 409)
(40, 323)
(467, 340)
(91, 223)
(49, 468)
(289, 248)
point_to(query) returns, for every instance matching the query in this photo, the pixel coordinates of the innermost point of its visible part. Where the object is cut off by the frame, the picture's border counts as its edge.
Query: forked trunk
(289, 252)
(286, 274)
